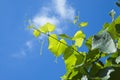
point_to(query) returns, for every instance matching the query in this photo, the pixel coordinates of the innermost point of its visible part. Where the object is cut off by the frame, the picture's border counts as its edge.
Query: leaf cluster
(86, 65)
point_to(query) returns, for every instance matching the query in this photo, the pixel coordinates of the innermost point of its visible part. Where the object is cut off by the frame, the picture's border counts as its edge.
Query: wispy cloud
(64, 9)
(23, 52)
(55, 13)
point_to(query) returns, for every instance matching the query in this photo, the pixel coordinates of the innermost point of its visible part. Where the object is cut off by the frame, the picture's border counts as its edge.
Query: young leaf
(79, 38)
(80, 59)
(55, 46)
(36, 33)
(83, 24)
(47, 28)
(69, 58)
(119, 43)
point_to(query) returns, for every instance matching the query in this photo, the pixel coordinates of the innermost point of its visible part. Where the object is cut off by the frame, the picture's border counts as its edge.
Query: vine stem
(57, 40)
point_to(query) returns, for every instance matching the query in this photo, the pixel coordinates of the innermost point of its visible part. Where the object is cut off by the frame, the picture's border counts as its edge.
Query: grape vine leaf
(83, 24)
(89, 42)
(104, 43)
(48, 27)
(119, 43)
(36, 33)
(79, 38)
(55, 46)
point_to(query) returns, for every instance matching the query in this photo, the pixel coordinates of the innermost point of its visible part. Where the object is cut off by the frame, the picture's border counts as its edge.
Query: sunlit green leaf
(79, 38)
(36, 33)
(70, 75)
(73, 74)
(119, 43)
(83, 24)
(48, 27)
(55, 46)
(70, 58)
(108, 63)
(70, 62)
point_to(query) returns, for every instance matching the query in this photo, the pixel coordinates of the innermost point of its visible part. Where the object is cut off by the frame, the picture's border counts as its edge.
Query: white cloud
(41, 20)
(63, 9)
(27, 48)
(55, 13)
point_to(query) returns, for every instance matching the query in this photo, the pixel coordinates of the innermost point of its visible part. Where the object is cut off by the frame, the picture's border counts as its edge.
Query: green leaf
(47, 28)
(81, 57)
(106, 25)
(119, 43)
(104, 43)
(117, 60)
(83, 24)
(74, 73)
(108, 63)
(65, 36)
(79, 38)
(89, 43)
(70, 62)
(79, 42)
(117, 25)
(70, 58)
(36, 33)
(92, 56)
(70, 75)
(55, 46)
(95, 69)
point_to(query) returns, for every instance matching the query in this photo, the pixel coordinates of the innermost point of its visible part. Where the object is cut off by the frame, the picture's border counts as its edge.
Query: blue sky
(20, 52)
